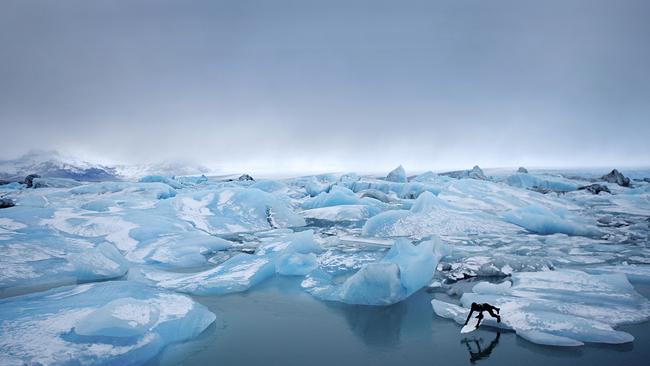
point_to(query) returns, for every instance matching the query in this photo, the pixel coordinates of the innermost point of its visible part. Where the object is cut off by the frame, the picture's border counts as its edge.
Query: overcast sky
(329, 85)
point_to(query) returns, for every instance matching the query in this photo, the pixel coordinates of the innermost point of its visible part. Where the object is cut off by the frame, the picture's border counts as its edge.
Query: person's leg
(489, 310)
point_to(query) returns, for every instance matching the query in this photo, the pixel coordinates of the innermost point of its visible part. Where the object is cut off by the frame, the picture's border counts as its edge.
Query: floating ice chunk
(397, 175)
(237, 210)
(300, 242)
(634, 273)
(503, 288)
(475, 173)
(555, 184)
(348, 259)
(402, 190)
(178, 249)
(430, 215)
(338, 195)
(116, 322)
(430, 177)
(113, 228)
(563, 308)
(342, 213)
(160, 179)
(98, 205)
(378, 195)
(314, 185)
(374, 284)
(294, 264)
(404, 269)
(99, 263)
(543, 221)
(236, 274)
(473, 261)
(270, 186)
(54, 183)
(47, 260)
(150, 190)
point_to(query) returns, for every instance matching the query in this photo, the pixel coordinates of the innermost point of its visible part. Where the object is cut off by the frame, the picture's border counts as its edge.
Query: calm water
(278, 324)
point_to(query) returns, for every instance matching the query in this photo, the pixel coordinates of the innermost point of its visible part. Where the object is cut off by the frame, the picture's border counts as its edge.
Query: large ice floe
(559, 308)
(235, 210)
(118, 323)
(100, 272)
(430, 215)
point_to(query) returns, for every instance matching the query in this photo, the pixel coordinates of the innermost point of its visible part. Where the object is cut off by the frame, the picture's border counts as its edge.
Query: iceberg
(337, 195)
(405, 269)
(475, 173)
(402, 190)
(296, 264)
(116, 322)
(397, 175)
(33, 257)
(341, 204)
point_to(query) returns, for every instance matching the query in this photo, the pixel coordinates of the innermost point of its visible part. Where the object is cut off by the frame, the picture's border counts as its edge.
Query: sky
(329, 85)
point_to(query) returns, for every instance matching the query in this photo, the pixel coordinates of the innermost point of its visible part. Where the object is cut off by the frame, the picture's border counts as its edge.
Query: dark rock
(542, 190)
(6, 203)
(477, 173)
(616, 177)
(245, 177)
(29, 180)
(595, 188)
(522, 170)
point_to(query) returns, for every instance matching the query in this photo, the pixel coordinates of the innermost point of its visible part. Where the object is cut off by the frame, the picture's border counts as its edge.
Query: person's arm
(480, 317)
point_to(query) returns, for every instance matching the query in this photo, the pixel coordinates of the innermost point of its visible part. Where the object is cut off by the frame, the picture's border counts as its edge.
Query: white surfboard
(471, 325)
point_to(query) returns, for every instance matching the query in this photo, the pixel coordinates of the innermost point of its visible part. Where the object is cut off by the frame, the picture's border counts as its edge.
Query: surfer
(480, 308)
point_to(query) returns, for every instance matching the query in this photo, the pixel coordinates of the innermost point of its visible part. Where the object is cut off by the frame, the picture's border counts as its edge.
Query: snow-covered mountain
(166, 168)
(52, 164)
(55, 165)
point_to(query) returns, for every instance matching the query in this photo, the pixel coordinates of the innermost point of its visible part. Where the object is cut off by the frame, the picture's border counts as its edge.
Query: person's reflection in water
(480, 353)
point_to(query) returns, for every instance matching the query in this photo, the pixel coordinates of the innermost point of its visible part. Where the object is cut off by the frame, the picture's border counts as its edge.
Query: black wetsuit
(480, 308)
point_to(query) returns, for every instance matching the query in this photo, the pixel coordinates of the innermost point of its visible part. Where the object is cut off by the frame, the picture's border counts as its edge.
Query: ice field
(118, 271)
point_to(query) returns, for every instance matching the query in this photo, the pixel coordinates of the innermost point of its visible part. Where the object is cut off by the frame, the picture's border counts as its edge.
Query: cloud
(328, 84)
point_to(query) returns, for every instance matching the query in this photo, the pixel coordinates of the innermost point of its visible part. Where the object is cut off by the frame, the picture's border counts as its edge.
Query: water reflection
(376, 325)
(475, 349)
